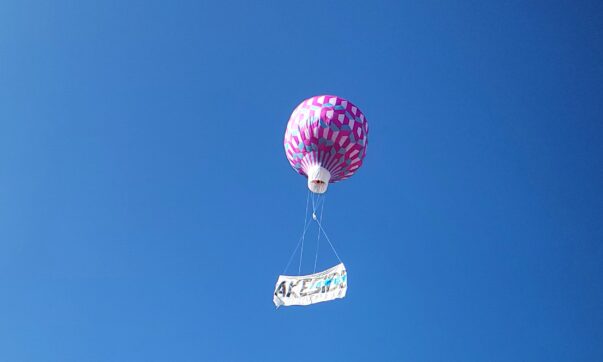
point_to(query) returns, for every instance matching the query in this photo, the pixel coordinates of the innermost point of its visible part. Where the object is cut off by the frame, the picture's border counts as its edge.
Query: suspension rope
(301, 254)
(329, 240)
(317, 203)
(322, 209)
(297, 246)
(324, 196)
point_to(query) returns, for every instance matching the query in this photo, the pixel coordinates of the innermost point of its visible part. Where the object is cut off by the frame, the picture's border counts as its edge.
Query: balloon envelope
(326, 140)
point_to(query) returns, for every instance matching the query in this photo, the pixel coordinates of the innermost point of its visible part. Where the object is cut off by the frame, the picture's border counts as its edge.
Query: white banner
(309, 289)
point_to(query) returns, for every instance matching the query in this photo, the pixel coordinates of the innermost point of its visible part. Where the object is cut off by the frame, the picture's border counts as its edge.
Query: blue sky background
(147, 207)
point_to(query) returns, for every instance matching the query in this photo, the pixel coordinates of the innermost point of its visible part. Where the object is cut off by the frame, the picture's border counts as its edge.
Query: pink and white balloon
(326, 140)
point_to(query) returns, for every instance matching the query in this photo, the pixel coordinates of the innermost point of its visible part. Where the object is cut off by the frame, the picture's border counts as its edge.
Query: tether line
(329, 240)
(322, 210)
(296, 247)
(301, 254)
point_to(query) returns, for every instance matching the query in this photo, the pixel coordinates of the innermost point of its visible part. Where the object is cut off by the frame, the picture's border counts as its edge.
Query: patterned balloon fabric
(327, 131)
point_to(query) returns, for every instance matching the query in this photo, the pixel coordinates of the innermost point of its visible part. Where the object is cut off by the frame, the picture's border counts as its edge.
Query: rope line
(297, 246)
(322, 210)
(301, 254)
(317, 203)
(329, 240)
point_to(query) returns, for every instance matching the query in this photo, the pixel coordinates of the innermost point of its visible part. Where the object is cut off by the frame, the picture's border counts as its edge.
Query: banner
(309, 289)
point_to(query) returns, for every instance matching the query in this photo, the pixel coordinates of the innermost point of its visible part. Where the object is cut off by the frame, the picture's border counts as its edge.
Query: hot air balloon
(326, 140)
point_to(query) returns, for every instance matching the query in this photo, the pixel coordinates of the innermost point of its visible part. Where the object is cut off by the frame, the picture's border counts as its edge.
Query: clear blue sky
(147, 207)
